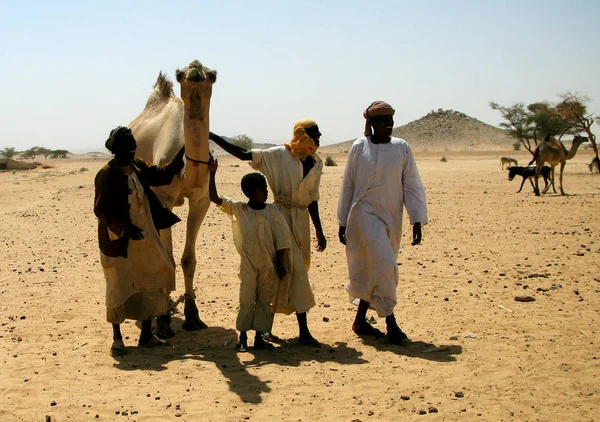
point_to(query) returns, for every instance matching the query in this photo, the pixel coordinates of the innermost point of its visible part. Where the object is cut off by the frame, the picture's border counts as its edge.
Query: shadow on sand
(416, 349)
(217, 345)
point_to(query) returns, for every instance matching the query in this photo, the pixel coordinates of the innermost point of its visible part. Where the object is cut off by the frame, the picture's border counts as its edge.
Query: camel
(553, 151)
(161, 129)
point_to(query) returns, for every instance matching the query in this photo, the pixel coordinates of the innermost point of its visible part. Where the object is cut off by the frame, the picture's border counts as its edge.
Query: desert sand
(476, 353)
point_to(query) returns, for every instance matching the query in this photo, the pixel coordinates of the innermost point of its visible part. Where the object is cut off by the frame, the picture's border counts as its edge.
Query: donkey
(507, 161)
(594, 165)
(528, 173)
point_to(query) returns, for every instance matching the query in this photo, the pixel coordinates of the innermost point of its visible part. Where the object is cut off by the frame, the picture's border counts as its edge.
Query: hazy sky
(71, 71)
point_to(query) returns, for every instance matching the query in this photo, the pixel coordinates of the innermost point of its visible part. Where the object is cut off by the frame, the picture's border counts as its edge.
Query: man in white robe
(381, 177)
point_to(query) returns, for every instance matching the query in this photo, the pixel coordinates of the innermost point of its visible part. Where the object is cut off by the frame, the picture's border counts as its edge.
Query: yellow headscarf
(301, 143)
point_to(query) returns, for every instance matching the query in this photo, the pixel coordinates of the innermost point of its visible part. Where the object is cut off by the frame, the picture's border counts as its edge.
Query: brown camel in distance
(553, 152)
(161, 129)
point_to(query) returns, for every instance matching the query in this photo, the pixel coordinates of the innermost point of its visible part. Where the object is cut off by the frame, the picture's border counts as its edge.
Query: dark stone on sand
(524, 299)
(459, 394)
(325, 319)
(405, 397)
(422, 412)
(53, 403)
(433, 409)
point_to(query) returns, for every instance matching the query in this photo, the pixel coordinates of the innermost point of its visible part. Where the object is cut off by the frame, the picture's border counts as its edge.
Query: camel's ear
(212, 75)
(179, 74)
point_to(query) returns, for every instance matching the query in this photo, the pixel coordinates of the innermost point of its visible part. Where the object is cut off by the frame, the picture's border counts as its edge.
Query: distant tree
(573, 108)
(59, 153)
(30, 153)
(45, 152)
(517, 146)
(243, 141)
(8, 152)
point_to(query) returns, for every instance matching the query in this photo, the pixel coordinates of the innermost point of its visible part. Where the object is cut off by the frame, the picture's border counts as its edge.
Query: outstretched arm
(233, 149)
(313, 210)
(212, 186)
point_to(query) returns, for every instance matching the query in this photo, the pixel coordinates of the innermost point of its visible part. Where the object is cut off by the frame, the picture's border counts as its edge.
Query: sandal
(241, 347)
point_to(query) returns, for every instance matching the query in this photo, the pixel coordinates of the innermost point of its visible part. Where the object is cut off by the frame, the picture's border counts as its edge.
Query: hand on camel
(213, 165)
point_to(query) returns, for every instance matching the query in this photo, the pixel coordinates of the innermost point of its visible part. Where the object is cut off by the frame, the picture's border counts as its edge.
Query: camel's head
(196, 83)
(578, 139)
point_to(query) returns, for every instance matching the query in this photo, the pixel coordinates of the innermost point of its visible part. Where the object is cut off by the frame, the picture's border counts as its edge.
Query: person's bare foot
(309, 340)
(363, 328)
(397, 336)
(118, 348)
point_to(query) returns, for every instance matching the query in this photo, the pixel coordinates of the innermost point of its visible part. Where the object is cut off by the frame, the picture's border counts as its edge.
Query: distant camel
(507, 161)
(594, 165)
(553, 151)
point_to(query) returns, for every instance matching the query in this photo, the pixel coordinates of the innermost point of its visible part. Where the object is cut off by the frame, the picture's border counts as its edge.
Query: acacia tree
(30, 153)
(573, 108)
(243, 141)
(533, 123)
(8, 152)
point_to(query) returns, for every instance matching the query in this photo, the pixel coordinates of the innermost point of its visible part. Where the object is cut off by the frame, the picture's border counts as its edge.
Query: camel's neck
(573, 150)
(195, 130)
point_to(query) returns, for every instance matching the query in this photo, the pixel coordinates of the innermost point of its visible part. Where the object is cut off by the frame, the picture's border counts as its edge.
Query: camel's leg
(538, 170)
(562, 169)
(539, 173)
(198, 208)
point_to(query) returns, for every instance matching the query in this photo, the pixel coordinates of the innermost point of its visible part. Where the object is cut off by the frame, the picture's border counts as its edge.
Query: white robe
(379, 180)
(257, 235)
(292, 194)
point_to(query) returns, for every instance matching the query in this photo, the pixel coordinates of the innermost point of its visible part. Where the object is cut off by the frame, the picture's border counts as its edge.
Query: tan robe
(257, 235)
(137, 287)
(293, 194)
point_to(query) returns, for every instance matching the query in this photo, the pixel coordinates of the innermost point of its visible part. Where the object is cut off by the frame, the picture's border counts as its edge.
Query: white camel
(161, 129)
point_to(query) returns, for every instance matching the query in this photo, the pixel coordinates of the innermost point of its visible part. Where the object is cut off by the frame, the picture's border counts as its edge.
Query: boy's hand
(213, 165)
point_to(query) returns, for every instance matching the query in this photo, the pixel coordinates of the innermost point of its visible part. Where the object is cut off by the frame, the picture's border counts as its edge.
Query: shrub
(517, 145)
(330, 161)
(443, 159)
(82, 169)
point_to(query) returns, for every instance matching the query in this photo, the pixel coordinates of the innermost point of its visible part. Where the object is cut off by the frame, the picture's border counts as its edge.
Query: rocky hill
(446, 130)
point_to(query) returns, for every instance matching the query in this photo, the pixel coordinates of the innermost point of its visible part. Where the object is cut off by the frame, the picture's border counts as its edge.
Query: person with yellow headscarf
(293, 172)
(380, 179)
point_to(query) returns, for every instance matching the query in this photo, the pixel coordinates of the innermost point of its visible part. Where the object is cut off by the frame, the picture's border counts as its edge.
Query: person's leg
(305, 337)
(360, 325)
(394, 333)
(242, 345)
(146, 334)
(118, 347)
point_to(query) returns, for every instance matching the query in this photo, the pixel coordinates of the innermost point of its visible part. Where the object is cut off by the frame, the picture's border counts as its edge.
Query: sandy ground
(477, 354)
